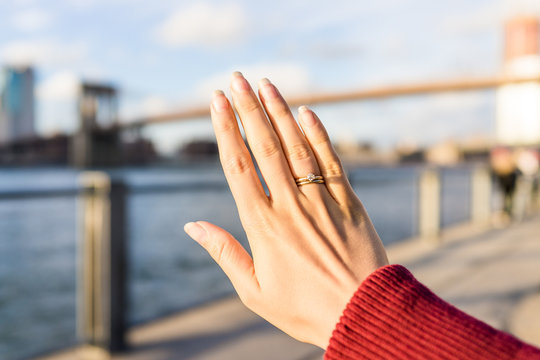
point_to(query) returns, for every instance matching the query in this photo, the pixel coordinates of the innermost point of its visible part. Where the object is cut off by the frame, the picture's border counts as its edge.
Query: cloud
(82, 4)
(323, 49)
(445, 115)
(490, 17)
(203, 24)
(308, 16)
(154, 105)
(32, 20)
(61, 86)
(57, 96)
(421, 120)
(290, 78)
(43, 52)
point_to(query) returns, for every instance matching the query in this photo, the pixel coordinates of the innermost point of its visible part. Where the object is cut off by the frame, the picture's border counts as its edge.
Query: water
(168, 271)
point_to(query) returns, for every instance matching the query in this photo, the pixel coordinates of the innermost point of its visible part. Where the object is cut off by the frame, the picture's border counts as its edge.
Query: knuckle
(267, 148)
(219, 251)
(321, 137)
(281, 111)
(225, 126)
(300, 151)
(237, 164)
(249, 106)
(333, 168)
(259, 223)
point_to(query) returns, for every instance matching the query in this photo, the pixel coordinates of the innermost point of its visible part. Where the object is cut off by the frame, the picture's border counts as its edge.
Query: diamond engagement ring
(310, 179)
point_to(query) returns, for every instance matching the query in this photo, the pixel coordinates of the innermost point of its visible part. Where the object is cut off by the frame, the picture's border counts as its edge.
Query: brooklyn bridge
(100, 139)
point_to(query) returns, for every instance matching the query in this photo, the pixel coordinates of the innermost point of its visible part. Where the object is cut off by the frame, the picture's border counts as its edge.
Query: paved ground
(493, 275)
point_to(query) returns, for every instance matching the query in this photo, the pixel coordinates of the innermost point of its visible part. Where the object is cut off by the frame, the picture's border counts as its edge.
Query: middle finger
(297, 150)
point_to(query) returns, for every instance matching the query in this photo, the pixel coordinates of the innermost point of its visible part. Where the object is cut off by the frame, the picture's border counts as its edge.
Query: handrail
(39, 193)
(132, 189)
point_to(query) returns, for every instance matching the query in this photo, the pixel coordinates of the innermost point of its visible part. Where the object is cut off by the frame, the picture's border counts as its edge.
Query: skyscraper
(16, 103)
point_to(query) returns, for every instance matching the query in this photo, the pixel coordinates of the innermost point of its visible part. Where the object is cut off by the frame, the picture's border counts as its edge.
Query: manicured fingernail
(306, 116)
(195, 231)
(219, 102)
(239, 83)
(268, 90)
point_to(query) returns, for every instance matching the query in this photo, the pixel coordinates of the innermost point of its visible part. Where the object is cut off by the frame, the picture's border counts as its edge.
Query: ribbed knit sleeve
(393, 316)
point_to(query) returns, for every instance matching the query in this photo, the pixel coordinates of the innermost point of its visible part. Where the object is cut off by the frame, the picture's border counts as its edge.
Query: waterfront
(168, 272)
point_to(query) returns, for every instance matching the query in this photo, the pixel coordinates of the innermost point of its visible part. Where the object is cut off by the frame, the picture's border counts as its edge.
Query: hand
(312, 244)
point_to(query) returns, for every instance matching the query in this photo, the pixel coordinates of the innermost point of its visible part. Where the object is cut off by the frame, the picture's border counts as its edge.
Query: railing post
(481, 196)
(102, 300)
(536, 193)
(429, 212)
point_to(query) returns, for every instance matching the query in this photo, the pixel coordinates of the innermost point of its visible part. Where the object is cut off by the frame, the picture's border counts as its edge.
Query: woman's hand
(312, 244)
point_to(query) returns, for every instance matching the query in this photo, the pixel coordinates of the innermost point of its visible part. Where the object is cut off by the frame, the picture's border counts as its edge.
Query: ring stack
(310, 179)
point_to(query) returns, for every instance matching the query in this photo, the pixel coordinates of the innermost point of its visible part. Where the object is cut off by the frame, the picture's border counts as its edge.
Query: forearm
(393, 316)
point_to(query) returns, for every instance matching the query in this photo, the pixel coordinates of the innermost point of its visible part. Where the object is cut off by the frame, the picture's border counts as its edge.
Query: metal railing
(102, 296)
(102, 248)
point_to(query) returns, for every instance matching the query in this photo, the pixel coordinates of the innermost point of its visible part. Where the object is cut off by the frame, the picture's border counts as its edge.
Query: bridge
(98, 141)
(389, 91)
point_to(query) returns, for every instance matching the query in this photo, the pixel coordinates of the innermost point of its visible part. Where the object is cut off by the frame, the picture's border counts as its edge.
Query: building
(16, 103)
(518, 105)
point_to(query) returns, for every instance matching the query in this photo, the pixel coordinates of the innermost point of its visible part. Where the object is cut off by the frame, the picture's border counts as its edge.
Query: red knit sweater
(393, 316)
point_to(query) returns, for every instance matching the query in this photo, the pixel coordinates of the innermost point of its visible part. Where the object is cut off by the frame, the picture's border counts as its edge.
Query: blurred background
(123, 87)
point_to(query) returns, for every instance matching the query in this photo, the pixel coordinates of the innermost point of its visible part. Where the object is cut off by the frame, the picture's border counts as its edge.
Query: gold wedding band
(310, 179)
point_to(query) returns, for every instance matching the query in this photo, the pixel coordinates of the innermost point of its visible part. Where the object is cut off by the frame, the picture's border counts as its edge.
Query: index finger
(234, 156)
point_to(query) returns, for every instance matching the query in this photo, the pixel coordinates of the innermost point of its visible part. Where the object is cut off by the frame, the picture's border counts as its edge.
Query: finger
(329, 163)
(262, 139)
(228, 253)
(235, 158)
(295, 146)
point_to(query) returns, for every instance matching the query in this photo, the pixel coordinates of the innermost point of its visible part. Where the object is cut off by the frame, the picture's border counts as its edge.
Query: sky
(168, 55)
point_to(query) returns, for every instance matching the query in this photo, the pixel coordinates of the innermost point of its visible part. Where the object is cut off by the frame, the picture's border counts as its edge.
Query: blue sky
(167, 55)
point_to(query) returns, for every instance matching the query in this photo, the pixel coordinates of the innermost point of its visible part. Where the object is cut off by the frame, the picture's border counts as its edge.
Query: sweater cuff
(393, 316)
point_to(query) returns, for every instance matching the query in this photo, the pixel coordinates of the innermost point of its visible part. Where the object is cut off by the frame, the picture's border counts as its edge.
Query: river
(168, 271)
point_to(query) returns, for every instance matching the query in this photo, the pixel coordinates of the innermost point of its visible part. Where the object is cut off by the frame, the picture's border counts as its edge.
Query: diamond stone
(311, 177)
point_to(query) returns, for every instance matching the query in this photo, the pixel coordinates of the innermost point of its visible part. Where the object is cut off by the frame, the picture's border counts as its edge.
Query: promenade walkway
(492, 274)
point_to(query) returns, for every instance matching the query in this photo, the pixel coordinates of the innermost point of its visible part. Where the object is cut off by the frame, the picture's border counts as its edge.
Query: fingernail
(239, 83)
(219, 102)
(195, 231)
(268, 90)
(306, 116)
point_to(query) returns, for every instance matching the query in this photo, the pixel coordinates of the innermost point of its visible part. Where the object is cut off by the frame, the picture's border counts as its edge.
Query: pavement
(492, 274)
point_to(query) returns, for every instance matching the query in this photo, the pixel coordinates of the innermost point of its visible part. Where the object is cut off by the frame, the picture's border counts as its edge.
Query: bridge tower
(518, 105)
(97, 142)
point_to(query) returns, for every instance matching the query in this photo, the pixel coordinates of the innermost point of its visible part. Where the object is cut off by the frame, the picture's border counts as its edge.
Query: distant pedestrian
(506, 173)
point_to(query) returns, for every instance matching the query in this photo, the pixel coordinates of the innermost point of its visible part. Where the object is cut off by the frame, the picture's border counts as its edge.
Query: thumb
(227, 252)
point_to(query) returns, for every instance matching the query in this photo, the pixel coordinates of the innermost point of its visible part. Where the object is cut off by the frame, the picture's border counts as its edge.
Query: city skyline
(165, 56)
